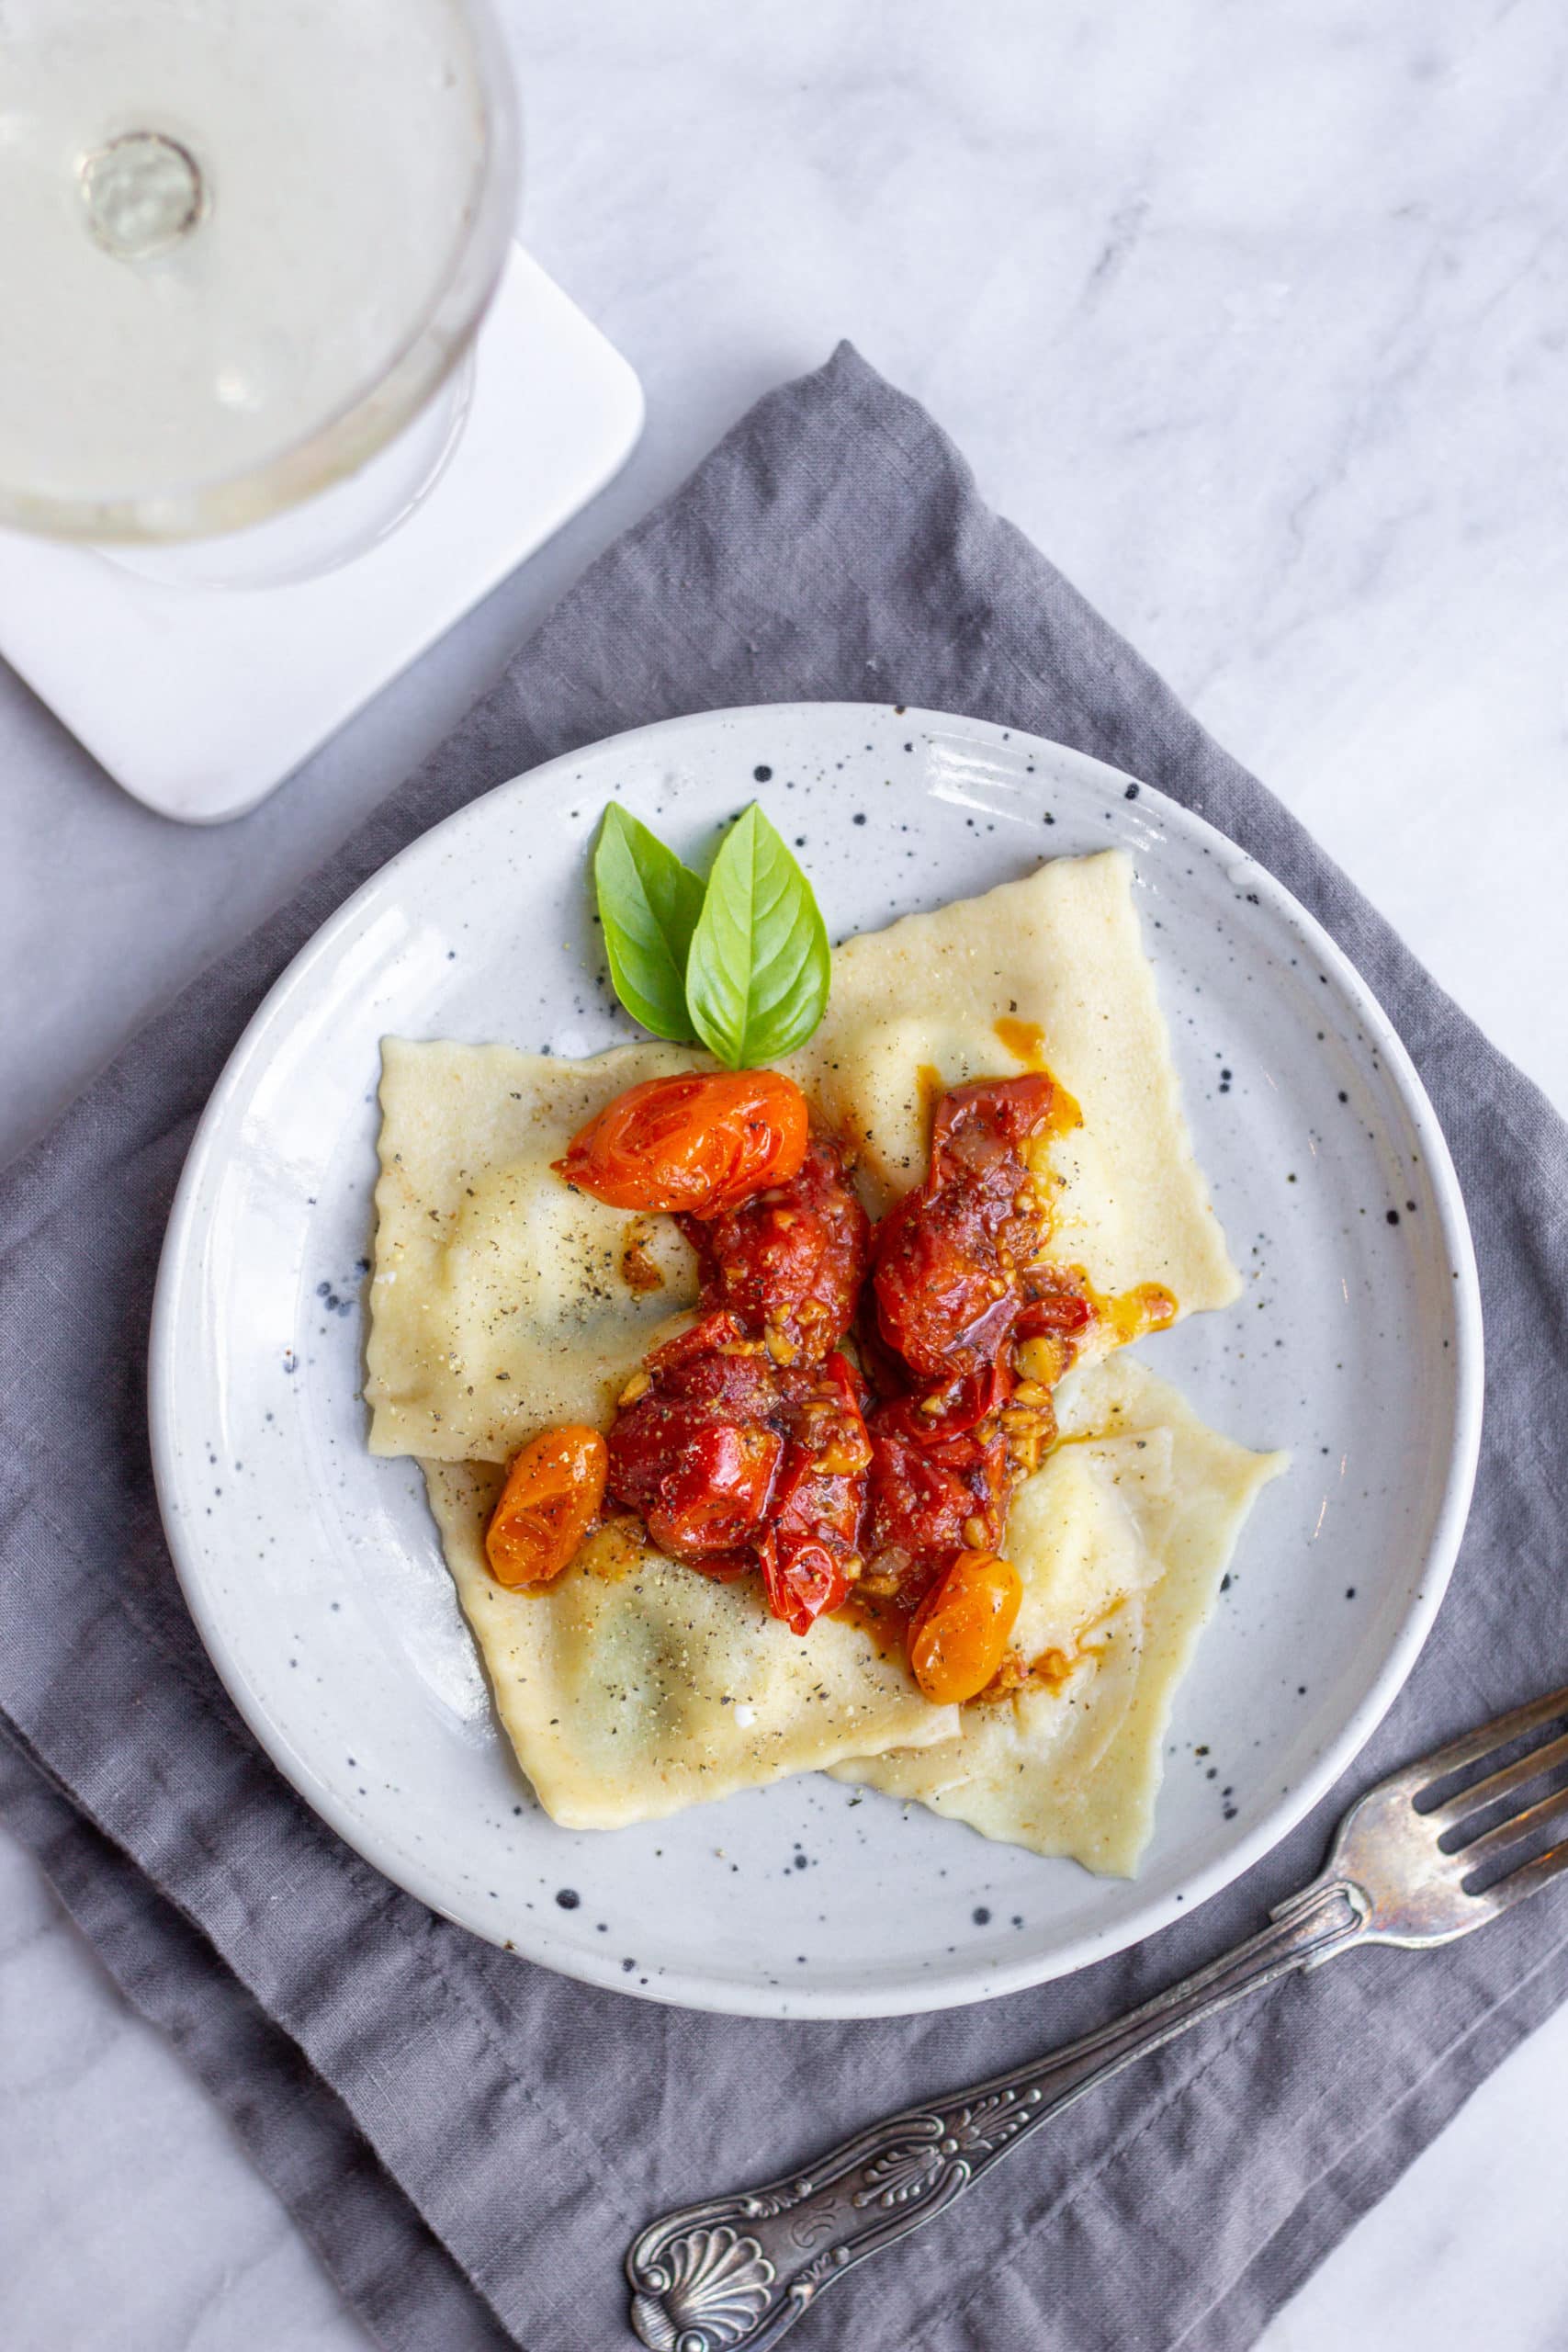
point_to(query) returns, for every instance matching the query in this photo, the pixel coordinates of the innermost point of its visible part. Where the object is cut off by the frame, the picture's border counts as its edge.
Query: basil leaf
(758, 973)
(649, 904)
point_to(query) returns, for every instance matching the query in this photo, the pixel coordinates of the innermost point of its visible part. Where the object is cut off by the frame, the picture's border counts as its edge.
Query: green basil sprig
(740, 962)
(649, 904)
(758, 974)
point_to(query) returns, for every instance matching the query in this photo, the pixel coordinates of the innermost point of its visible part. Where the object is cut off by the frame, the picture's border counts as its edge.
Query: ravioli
(1049, 972)
(503, 1301)
(500, 1300)
(634, 1687)
(1121, 1537)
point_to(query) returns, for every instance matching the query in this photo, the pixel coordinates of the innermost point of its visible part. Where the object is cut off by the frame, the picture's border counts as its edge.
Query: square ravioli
(632, 1687)
(503, 1301)
(1121, 1537)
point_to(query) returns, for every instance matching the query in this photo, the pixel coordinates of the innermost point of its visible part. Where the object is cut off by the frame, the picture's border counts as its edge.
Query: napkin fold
(469, 2141)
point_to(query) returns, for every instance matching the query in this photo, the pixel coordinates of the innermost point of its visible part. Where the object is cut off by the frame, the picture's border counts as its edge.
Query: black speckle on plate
(567, 1897)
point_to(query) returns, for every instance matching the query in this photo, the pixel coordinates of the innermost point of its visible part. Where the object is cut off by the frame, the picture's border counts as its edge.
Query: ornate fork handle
(733, 2274)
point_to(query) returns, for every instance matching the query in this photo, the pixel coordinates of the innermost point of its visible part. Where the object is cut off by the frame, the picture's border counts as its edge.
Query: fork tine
(1477, 1745)
(1497, 1842)
(1481, 1793)
(1513, 1889)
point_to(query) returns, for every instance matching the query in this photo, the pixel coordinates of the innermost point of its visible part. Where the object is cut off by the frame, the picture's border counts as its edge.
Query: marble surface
(1255, 321)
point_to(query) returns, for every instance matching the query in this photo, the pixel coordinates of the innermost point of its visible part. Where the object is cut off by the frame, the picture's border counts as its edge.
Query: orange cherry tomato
(691, 1144)
(553, 1491)
(959, 1635)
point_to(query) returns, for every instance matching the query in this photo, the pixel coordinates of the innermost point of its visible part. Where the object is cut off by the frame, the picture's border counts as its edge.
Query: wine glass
(245, 248)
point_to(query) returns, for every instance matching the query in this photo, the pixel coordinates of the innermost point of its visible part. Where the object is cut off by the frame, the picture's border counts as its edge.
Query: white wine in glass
(243, 244)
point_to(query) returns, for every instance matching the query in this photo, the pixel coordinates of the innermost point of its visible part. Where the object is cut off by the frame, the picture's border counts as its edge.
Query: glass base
(200, 701)
(331, 529)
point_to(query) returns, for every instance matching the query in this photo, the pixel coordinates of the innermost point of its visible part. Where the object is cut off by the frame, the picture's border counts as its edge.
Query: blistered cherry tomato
(809, 1555)
(552, 1495)
(717, 1494)
(790, 1261)
(802, 1583)
(692, 1144)
(697, 1452)
(947, 1257)
(959, 1636)
(1054, 1301)
(930, 1489)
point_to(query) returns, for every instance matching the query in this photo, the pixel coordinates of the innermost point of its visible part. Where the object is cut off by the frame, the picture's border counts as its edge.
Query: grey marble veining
(1257, 321)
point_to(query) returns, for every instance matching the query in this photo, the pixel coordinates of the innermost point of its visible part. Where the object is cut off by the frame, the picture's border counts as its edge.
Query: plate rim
(892, 1996)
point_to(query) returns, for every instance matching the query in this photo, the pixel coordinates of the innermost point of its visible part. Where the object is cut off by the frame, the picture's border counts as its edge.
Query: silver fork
(733, 2274)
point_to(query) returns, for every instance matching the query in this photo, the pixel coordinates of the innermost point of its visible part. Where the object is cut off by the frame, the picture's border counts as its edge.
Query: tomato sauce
(877, 1485)
(745, 1445)
(789, 1261)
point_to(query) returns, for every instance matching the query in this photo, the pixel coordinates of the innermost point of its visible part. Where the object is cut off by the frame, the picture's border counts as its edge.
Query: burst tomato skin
(799, 1586)
(959, 1635)
(693, 1144)
(1053, 1302)
(717, 1363)
(715, 1495)
(927, 1488)
(948, 1258)
(822, 1488)
(701, 1482)
(554, 1488)
(789, 1261)
(810, 1555)
(698, 1452)
(731, 1458)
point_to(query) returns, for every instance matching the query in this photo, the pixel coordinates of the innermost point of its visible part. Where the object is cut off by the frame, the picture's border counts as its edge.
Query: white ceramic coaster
(200, 701)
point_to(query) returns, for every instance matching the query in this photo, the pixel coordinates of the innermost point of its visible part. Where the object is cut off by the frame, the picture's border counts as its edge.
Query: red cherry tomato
(959, 1635)
(931, 1491)
(715, 1494)
(810, 1553)
(946, 1280)
(553, 1491)
(803, 1583)
(1054, 1302)
(692, 1144)
(790, 1261)
(698, 1451)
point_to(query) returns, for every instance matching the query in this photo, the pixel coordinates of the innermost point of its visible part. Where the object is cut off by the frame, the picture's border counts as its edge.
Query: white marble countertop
(1255, 320)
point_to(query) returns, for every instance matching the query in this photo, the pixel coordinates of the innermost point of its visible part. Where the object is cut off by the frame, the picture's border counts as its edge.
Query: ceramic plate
(314, 1572)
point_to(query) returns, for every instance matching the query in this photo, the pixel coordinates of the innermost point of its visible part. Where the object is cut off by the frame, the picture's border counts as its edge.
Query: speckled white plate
(314, 1572)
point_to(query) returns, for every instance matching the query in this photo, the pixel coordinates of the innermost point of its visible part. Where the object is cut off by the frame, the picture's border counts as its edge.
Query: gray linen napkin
(469, 2140)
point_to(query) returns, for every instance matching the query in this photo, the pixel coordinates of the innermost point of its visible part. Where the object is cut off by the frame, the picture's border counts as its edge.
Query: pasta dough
(634, 1687)
(503, 1301)
(1053, 965)
(1121, 1537)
